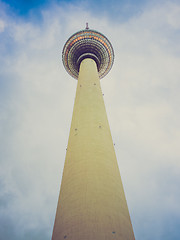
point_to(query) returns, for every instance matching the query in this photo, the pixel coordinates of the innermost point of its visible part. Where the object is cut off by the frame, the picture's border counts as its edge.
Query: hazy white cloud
(2, 25)
(142, 102)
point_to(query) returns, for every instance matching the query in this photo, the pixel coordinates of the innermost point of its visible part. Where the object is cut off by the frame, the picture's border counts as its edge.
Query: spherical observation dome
(87, 44)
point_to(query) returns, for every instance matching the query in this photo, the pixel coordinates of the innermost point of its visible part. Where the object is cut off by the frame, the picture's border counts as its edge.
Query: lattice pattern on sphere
(87, 44)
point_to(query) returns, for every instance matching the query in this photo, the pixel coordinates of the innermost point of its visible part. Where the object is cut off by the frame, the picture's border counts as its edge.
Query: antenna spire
(87, 27)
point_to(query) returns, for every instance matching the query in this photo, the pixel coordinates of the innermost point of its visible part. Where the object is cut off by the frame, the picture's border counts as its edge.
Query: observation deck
(87, 44)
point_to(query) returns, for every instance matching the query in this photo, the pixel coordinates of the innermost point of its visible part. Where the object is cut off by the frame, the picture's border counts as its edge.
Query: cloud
(2, 25)
(142, 102)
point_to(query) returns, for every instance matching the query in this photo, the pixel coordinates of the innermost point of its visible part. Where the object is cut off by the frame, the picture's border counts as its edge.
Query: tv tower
(92, 204)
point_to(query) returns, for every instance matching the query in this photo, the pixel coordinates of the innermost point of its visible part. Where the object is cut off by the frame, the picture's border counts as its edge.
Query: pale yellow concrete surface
(92, 204)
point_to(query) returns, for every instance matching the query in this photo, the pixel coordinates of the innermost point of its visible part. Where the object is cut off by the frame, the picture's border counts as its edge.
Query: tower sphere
(87, 44)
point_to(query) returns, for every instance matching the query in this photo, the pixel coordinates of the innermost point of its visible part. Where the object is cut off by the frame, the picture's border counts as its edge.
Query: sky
(141, 94)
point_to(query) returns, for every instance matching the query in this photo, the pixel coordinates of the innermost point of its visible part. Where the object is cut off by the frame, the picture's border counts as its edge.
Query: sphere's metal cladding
(88, 44)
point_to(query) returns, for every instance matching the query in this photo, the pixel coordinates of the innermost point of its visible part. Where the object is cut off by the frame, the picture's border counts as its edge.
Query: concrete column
(92, 204)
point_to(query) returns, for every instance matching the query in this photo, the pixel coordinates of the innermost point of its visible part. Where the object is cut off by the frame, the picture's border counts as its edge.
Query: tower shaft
(92, 204)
